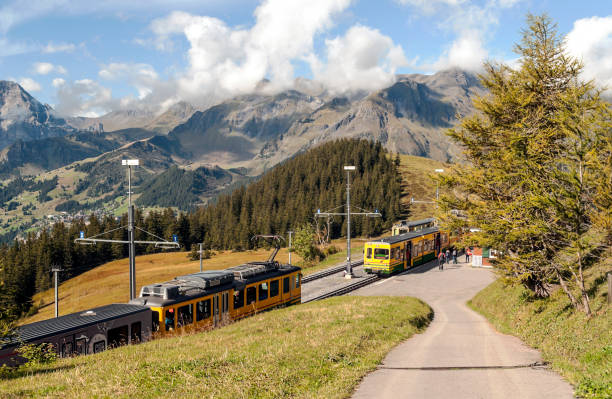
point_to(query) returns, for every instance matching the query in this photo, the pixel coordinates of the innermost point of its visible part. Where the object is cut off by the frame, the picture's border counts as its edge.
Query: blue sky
(87, 59)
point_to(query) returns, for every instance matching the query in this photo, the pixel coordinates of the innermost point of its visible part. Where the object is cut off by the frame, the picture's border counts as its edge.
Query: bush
(38, 354)
(194, 254)
(332, 249)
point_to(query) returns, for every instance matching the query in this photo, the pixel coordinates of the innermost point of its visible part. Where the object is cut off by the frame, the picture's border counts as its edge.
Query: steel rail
(346, 289)
(329, 272)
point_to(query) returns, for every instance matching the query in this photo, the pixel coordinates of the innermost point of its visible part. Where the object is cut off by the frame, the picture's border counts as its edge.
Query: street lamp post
(132, 251)
(349, 268)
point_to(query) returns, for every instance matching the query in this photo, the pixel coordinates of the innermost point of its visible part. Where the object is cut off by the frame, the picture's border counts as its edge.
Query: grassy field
(578, 348)
(417, 183)
(317, 350)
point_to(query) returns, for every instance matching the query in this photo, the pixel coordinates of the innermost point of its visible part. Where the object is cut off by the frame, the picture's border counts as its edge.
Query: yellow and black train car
(400, 252)
(208, 299)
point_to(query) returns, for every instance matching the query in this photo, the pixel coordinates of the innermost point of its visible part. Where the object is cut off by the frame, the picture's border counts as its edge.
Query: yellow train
(400, 252)
(208, 299)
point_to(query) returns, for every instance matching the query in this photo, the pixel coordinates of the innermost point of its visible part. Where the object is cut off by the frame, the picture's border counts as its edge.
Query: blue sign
(174, 238)
(81, 234)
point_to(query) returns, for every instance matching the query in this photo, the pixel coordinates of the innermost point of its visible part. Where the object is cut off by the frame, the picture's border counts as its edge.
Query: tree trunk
(566, 289)
(580, 281)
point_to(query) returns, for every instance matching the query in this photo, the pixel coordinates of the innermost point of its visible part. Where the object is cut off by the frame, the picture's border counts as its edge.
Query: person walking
(441, 260)
(454, 256)
(468, 253)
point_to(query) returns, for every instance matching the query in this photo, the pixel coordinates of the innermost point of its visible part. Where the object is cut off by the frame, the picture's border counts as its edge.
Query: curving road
(460, 355)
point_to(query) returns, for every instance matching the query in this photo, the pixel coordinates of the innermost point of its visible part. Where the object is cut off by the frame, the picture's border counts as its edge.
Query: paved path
(460, 355)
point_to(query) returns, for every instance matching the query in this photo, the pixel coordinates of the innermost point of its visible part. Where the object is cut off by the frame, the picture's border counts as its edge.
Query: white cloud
(225, 61)
(466, 52)
(58, 48)
(84, 98)
(591, 41)
(141, 76)
(44, 68)
(471, 24)
(57, 82)
(362, 59)
(29, 84)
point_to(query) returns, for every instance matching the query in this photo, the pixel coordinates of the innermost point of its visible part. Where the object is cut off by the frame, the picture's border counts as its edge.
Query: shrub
(38, 354)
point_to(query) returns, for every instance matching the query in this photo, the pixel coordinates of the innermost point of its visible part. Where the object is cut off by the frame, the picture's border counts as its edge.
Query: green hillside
(578, 347)
(316, 350)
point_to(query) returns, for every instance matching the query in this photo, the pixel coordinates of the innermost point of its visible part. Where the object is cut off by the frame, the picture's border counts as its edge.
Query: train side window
(118, 336)
(135, 332)
(203, 310)
(369, 253)
(99, 346)
(184, 315)
(67, 349)
(273, 288)
(155, 320)
(238, 299)
(263, 291)
(80, 347)
(251, 295)
(286, 287)
(297, 280)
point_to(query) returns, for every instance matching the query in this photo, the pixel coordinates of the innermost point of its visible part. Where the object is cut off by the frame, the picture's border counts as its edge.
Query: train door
(225, 306)
(286, 289)
(408, 254)
(437, 251)
(67, 346)
(215, 310)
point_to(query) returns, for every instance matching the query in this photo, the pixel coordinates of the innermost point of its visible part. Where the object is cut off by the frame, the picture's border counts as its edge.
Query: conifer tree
(536, 185)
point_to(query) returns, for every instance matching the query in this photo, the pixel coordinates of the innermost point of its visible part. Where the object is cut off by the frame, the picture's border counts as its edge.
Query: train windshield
(381, 253)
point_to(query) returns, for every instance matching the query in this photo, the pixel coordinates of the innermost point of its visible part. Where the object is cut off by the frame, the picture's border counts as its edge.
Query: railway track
(329, 272)
(346, 289)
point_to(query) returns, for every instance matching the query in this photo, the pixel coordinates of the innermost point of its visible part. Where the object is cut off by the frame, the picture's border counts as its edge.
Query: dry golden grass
(417, 183)
(109, 283)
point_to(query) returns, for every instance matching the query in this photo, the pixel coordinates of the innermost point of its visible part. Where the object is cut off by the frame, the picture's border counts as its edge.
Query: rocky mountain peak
(22, 117)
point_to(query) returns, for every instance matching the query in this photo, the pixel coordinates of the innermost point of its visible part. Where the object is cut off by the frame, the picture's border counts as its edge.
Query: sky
(88, 58)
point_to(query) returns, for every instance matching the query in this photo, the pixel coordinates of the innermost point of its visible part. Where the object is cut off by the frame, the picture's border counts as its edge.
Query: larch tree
(536, 185)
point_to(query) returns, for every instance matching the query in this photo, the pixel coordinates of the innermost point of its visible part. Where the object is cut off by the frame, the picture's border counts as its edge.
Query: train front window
(381, 253)
(297, 281)
(155, 319)
(369, 253)
(169, 321)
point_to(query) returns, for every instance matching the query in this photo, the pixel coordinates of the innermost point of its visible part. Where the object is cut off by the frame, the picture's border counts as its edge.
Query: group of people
(445, 257)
